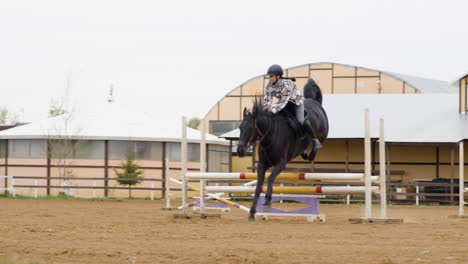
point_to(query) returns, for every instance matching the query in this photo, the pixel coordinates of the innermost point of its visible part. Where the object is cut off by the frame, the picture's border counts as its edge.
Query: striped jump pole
(295, 190)
(215, 196)
(220, 194)
(318, 177)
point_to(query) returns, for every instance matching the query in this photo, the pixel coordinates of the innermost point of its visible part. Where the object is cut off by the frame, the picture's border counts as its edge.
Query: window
(3, 145)
(89, 149)
(193, 151)
(144, 150)
(218, 158)
(27, 148)
(77, 149)
(220, 127)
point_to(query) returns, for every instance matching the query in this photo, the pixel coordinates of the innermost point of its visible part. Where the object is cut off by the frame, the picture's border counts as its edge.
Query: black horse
(281, 137)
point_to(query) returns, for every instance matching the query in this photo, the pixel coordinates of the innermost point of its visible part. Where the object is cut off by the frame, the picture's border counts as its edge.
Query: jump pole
(287, 176)
(183, 155)
(215, 196)
(461, 164)
(293, 190)
(367, 165)
(383, 176)
(202, 165)
(462, 189)
(168, 186)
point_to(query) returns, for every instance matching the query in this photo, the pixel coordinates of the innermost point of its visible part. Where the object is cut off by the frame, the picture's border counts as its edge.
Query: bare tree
(63, 141)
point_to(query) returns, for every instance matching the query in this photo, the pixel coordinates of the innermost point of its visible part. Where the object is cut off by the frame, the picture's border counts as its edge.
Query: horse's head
(248, 133)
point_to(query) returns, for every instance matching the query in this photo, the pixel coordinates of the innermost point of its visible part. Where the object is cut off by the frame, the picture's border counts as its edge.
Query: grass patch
(64, 197)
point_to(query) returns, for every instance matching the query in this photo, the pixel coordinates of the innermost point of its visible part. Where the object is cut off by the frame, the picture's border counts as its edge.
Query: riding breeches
(300, 113)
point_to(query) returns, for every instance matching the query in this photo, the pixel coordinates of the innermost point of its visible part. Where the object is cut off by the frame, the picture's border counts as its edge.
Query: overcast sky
(180, 57)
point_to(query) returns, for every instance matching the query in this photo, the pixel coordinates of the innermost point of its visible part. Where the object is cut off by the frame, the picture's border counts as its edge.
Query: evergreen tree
(130, 173)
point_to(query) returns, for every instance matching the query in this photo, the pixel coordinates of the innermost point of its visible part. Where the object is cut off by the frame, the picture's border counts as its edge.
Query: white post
(94, 189)
(367, 166)
(462, 180)
(13, 186)
(35, 188)
(168, 186)
(417, 194)
(202, 165)
(281, 185)
(183, 159)
(383, 180)
(348, 197)
(152, 191)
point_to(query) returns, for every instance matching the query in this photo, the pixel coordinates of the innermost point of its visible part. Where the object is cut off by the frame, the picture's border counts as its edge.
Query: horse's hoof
(304, 156)
(267, 207)
(312, 155)
(251, 218)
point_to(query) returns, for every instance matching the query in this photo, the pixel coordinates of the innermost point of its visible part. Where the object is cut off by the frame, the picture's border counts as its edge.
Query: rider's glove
(274, 110)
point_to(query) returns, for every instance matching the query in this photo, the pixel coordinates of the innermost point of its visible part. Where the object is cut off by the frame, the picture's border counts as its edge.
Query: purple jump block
(314, 205)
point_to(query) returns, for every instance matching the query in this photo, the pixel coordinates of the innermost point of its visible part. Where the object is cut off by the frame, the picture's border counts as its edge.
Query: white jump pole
(168, 182)
(287, 176)
(202, 165)
(383, 182)
(183, 158)
(461, 211)
(367, 166)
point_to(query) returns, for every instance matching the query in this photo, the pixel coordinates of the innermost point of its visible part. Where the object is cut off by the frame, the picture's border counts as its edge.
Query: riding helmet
(275, 69)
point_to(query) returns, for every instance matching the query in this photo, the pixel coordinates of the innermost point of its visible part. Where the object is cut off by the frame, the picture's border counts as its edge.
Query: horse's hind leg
(316, 145)
(260, 179)
(271, 179)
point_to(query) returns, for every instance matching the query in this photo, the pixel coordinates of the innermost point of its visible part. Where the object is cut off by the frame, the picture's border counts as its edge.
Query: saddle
(294, 124)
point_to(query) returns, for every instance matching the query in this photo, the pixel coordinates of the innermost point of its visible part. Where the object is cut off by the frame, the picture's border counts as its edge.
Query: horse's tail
(312, 90)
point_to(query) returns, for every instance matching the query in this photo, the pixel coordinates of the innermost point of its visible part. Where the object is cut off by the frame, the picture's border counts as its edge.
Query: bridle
(263, 135)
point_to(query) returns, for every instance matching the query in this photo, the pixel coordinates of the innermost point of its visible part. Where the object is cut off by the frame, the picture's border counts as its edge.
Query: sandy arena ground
(77, 231)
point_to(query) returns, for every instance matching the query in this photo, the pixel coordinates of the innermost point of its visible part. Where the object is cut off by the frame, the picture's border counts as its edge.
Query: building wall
(332, 79)
(86, 169)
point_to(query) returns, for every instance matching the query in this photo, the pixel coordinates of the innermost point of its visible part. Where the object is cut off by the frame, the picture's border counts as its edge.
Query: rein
(262, 136)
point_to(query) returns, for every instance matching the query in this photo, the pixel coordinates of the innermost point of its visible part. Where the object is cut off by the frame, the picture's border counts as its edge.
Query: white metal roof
(411, 118)
(111, 121)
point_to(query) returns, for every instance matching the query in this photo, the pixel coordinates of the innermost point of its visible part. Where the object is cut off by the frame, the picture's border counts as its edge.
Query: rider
(287, 92)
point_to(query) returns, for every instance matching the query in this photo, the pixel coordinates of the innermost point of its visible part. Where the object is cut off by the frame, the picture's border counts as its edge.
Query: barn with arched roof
(423, 121)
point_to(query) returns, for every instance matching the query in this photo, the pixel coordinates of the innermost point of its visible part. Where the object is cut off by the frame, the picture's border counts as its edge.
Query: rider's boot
(316, 145)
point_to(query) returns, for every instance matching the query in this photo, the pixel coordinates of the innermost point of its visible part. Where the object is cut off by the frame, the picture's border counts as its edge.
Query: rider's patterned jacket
(286, 91)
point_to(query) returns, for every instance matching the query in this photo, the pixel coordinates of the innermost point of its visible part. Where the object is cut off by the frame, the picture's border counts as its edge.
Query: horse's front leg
(260, 179)
(271, 179)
